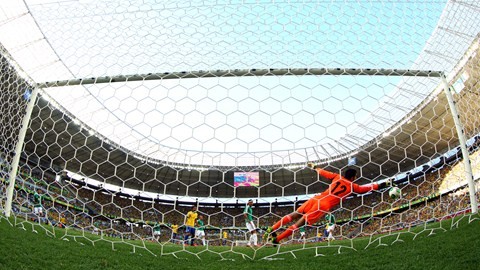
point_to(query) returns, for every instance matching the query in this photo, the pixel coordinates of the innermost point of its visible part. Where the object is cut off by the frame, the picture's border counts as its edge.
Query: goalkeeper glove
(387, 184)
(312, 165)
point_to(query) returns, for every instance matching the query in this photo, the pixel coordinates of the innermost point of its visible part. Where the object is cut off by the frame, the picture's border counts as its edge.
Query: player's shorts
(313, 210)
(157, 232)
(37, 210)
(251, 226)
(302, 234)
(199, 233)
(331, 228)
(190, 230)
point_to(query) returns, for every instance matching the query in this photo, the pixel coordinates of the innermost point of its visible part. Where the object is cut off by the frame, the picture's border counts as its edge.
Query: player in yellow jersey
(319, 236)
(224, 238)
(174, 233)
(190, 225)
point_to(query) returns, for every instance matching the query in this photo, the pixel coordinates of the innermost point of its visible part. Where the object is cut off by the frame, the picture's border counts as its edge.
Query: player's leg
(249, 229)
(310, 205)
(189, 237)
(330, 232)
(201, 236)
(285, 220)
(330, 236)
(38, 213)
(253, 233)
(289, 231)
(309, 218)
(302, 237)
(187, 234)
(193, 237)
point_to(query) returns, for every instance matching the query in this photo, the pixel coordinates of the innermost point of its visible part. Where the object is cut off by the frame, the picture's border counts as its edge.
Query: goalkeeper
(316, 207)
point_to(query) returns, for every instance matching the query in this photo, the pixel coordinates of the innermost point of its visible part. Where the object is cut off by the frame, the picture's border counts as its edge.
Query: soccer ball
(395, 192)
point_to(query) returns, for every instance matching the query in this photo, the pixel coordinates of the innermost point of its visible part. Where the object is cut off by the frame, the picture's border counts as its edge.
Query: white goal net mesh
(145, 111)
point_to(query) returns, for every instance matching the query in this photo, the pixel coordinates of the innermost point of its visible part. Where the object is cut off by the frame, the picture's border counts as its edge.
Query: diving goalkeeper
(316, 207)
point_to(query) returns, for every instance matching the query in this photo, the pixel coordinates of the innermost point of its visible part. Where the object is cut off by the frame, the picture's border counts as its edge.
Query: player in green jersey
(330, 226)
(200, 230)
(37, 203)
(157, 231)
(248, 214)
(302, 234)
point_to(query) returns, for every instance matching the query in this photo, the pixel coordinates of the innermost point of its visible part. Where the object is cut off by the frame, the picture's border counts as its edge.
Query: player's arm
(322, 172)
(245, 213)
(359, 189)
(373, 186)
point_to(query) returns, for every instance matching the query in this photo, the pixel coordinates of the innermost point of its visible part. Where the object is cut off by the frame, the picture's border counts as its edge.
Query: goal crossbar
(242, 73)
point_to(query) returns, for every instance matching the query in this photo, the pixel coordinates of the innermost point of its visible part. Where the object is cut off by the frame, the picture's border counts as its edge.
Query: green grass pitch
(433, 248)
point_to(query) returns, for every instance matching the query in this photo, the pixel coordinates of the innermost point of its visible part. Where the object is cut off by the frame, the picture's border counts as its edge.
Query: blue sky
(119, 37)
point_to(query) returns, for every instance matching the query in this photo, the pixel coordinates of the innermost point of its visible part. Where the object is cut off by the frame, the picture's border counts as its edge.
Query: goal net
(129, 123)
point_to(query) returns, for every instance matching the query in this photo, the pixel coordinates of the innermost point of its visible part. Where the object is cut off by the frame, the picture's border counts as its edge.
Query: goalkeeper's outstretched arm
(359, 189)
(328, 175)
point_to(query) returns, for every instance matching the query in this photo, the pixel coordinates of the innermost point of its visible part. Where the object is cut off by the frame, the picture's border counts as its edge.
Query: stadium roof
(244, 120)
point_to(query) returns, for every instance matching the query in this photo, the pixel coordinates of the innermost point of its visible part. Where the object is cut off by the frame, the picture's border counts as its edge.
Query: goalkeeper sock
(287, 232)
(285, 220)
(255, 240)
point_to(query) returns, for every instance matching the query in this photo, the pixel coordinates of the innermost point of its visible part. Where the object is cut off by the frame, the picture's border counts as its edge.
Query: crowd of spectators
(107, 213)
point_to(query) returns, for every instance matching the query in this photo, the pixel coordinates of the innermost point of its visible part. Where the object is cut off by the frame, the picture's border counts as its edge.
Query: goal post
(463, 146)
(18, 152)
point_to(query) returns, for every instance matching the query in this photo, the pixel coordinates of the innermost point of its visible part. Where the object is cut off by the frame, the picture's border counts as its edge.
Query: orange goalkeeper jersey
(339, 189)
